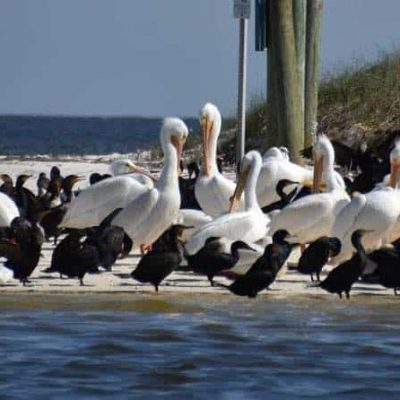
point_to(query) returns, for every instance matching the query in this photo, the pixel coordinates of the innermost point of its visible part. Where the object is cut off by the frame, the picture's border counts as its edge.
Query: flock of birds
(243, 230)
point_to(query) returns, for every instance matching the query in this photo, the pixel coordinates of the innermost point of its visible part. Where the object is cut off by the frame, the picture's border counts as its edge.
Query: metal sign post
(241, 10)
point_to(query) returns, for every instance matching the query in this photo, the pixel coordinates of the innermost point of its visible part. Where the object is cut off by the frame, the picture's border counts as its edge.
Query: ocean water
(31, 135)
(193, 346)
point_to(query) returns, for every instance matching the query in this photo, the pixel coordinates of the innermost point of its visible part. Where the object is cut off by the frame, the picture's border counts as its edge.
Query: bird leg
(340, 295)
(81, 282)
(210, 278)
(347, 295)
(312, 277)
(318, 277)
(395, 291)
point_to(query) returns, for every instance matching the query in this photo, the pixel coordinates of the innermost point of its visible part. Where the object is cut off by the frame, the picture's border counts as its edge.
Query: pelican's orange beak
(318, 169)
(178, 143)
(235, 199)
(206, 126)
(394, 172)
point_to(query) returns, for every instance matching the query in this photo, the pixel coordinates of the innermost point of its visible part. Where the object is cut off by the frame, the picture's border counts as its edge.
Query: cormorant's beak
(178, 143)
(318, 169)
(206, 127)
(235, 199)
(394, 172)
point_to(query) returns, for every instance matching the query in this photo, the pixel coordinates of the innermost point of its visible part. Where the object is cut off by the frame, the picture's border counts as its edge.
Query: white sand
(289, 283)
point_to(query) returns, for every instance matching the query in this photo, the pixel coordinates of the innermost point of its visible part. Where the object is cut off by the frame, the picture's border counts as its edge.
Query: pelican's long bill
(178, 143)
(318, 169)
(206, 126)
(235, 199)
(394, 172)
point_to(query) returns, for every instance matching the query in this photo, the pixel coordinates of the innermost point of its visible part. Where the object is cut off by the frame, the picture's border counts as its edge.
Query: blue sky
(155, 57)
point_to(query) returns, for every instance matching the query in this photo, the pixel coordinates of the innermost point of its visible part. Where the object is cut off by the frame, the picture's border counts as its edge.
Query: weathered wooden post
(313, 48)
(299, 20)
(288, 93)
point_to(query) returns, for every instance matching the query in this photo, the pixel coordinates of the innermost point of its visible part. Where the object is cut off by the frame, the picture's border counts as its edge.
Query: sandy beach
(289, 283)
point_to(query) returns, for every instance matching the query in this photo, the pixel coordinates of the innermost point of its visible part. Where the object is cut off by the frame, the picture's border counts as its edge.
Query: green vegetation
(369, 95)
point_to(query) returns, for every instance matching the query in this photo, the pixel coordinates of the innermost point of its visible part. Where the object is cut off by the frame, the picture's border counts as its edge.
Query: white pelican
(377, 211)
(249, 225)
(149, 215)
(96, 202)
(313, 216)
(212, 189)
(277, 166)
(8, 210)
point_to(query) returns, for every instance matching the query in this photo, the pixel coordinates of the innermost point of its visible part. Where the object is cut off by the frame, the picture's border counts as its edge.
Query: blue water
(220, 347)
(31, 135)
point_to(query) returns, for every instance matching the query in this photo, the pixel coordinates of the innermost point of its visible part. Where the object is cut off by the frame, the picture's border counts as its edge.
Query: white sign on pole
(241, 8)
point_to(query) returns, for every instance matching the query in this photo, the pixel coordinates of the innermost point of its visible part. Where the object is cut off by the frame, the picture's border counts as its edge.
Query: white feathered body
(147, 217)
(377, 211)
(8, 210)
(214, 192)
(310, 217)
(272, 171)
(249, 226)
(96, 202)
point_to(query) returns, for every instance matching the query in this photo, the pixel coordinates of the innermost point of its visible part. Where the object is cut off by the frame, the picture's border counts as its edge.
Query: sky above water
(156, 57)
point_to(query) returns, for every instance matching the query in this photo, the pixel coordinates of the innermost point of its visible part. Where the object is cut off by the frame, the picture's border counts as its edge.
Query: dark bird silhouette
(212, 257)
(162, 260)
(264, 270)
(22, 251)
(7, 186)
(109, 241)
(317, 254)
(96, 177)
(67, 185)
(42, 184)
(285, 199)
(385, 268)
(73, 257)
(342, 278)
(50, 217)
(25, 199)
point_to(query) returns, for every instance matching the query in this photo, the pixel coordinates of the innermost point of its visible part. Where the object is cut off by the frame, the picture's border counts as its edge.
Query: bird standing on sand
(313, 216)
(149, 215)
(342, 278)
(249, 225)
(212, 258)
(264, 270)
(23, 250)
(317, 254)
(73, 257)
(162, 260)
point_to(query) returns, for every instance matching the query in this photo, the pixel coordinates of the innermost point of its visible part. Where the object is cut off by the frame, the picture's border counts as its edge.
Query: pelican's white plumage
(277, 166)
(149, 215)
(212, 189)
(377, 211)
(248, 225)
(313, 216)
(97, 201)
(8, 210)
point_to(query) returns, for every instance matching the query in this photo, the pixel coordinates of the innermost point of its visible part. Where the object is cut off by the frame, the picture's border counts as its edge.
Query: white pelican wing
(237, 226)
(304, 215)
(137, 213)
(96, 202)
